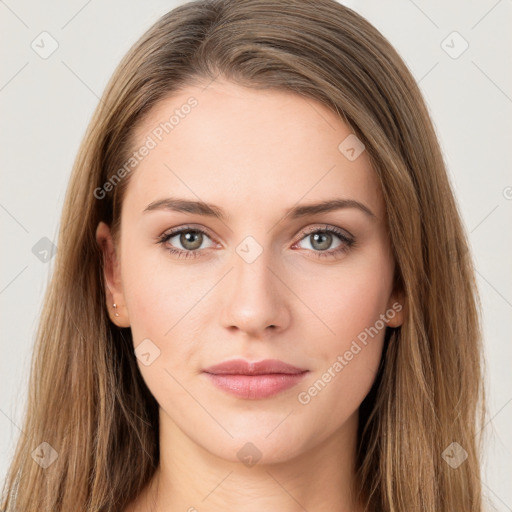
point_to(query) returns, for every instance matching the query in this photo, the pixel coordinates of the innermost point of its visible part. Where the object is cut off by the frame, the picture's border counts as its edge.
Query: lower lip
(254, 387)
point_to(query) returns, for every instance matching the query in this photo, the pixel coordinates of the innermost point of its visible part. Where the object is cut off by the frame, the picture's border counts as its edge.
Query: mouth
(254, 380)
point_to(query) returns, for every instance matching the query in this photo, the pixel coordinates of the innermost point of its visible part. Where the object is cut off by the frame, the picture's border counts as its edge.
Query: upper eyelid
(326, 227)
(176, 231)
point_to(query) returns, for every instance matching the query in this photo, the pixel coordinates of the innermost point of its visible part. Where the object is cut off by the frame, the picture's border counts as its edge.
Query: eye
(321, 241)
(191, 240)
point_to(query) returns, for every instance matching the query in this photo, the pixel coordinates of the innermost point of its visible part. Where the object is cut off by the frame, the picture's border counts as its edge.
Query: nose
(255, 297)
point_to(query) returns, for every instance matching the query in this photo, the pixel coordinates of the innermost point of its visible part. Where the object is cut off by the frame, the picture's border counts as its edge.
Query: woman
(263, 298)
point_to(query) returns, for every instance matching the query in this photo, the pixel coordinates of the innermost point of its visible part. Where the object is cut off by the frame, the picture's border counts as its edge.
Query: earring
(115, 309)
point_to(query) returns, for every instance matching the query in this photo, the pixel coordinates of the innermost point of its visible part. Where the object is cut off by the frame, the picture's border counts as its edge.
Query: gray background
(46, 104)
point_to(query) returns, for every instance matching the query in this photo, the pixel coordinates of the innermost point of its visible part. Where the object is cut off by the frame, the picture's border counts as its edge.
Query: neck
(191, 479)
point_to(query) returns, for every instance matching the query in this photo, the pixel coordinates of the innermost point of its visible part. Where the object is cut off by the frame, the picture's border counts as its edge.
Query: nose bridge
(252, 268)
(255, 299)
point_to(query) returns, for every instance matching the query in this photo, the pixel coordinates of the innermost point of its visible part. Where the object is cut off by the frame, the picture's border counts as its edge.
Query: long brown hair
(87, 399)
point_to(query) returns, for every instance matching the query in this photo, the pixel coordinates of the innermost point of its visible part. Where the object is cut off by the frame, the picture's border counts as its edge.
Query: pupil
(318, 237)
(190, 238)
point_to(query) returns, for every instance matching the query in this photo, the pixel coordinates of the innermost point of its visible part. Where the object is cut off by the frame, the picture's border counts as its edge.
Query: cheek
(142, 293)
(347, 362)
(162, 325)
(348, 299)
(350, 303)
(336, 393)
(352, 349)
(164, 307)
(155, 292)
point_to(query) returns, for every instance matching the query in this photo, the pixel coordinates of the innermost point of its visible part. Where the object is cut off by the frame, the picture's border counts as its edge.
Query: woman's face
(259, 275)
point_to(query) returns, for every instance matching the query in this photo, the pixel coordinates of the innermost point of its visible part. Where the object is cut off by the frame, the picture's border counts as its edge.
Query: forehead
(266, 148)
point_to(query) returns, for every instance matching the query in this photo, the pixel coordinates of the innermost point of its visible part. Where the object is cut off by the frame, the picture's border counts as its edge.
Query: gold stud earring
(115, 310)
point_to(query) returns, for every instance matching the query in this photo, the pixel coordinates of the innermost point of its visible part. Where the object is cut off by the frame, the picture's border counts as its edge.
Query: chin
(256, 446)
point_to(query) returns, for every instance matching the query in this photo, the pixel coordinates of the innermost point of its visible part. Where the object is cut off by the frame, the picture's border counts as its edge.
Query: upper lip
(242, 367)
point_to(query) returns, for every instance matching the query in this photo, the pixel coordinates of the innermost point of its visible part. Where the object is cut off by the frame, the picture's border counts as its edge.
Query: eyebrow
(210, 210)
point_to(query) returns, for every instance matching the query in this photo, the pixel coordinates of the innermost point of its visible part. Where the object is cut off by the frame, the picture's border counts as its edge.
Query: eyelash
(349, 242)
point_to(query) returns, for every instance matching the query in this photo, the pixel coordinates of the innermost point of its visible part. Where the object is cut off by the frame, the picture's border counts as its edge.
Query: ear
(112, 277)
(395, 309)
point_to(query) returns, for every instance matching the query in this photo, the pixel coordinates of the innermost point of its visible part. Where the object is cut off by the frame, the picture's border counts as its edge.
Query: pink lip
(254, 380)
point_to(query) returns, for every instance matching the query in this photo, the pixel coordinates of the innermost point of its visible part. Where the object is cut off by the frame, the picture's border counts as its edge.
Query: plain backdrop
(459, 52)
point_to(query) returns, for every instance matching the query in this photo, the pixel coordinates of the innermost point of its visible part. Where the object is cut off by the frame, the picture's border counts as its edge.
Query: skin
(280, 153)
